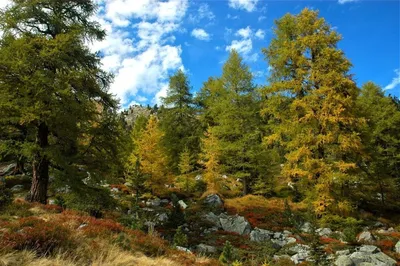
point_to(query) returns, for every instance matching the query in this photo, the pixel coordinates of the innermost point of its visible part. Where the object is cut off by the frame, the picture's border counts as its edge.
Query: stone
(306, 227)
(260, 235)
(300, 257)
(52, 202)
(369, 249)
(183, 249)
(213, 219)
(342, 252)
(210, 230)
(164, 202)
(153, 203)
(115, 190)
(198, 177)
(163, 217)
(236, 224)
(182, 204)
(290, 240)
(366, 237)
(17, 188)
(360, 257)
(8, 170)
(343, 260)
(279, 243)
(277, 235)
(299, 248)
(382, 259)
(82, 226)
(213, 201)
(323, 231)
(205, 249)
(280, 257)
(397, 247)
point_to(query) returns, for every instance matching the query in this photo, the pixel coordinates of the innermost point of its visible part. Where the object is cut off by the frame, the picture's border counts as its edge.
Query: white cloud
(241, 46)
(245, 32)
(141, 98)
(395, 81)
(261, 18)
(260, 34)
(4, 3)
(248, 5)
(200, 34)
(229, 16)
(203, 12)
(346, 1)
(141, 59)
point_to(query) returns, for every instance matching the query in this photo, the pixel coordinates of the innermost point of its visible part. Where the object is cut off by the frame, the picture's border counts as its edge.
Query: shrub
(228, 254)
(37, 235)
(180, 238)
(350, 234)
(5, 196)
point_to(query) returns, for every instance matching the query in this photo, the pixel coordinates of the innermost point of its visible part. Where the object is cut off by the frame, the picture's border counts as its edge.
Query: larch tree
(209, 159)
(311, 98)
(152, 156)
(381, 137)
(53, 91)
(178, 120)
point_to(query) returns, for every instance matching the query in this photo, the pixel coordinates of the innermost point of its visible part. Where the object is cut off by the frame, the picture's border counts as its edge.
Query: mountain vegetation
(308, 152)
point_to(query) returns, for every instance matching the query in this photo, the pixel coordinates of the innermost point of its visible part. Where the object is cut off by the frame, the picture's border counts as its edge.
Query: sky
(149, 40)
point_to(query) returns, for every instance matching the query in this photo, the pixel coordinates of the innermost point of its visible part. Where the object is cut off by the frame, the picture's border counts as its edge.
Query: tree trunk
(245, 191)
(40, 168)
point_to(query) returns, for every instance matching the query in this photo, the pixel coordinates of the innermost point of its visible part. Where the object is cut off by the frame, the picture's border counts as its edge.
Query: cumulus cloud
(203, 12)
(200, 34)
(139, 48)
(248, 5)
(245, 32)
(260, 34)
(244, 45)
(395, 81)
(346, 1)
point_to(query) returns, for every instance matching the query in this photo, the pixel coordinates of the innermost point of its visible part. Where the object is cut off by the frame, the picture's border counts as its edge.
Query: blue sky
(148, 40)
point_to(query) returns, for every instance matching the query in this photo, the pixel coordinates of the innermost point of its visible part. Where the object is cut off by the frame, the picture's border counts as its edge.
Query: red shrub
(96, 227)
(386, 245)
(328, 240)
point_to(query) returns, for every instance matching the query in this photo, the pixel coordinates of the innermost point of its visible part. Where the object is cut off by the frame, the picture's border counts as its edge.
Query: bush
(6, 196)
(228, 254)
(336, 222)
(90, 199)
(37, 235)
(180, 238)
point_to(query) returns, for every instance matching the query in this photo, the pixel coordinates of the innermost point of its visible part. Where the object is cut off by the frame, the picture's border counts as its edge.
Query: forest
(308, 155)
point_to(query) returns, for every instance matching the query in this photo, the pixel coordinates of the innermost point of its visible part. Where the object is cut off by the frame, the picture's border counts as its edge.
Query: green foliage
(229, 254)
(89, 199)
(180, 238)
(6, 196)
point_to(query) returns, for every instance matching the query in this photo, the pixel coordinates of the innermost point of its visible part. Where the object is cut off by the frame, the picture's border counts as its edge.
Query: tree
(151, 153)
(209, 158)
(52, 88)
(185, 167)
(381, 137)
(236, 121)
(178, 120)
(311, 99)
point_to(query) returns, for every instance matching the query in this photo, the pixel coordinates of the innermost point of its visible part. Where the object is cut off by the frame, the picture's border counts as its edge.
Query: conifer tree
(178, 120)
(53, 91)
(153, 160)
(209, 158)
(311, 98)
(185, 167)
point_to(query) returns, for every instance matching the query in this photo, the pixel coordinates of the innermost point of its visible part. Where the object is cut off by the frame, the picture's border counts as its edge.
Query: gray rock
(360, 257)
(290, 240)
(279, 243)
(278, 235)
(342, 252)
(205, 249)
(52, 202)
(397, 247)
(164, 202)
(236, 224)
(183, 249)
(306, 227)
(162, 218)
(213, 219)
(300, 257)
(7, 170)
(82, 226)
(299, 248)
(213, 201)
(210, 230)
(323, 231)
(17, 188)
(115, 190)
(279, 257)
(369, 249)
(153, 203)
(382, 259)
(198, 177)
(260, 235)
(366, 237)
(343, 261)
(182, 204)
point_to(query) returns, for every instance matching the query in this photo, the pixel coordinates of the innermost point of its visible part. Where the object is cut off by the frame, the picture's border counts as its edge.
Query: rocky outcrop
(397, 247)
(236, 224)
(364, 255)
(366, 237)
(277, 238)
(213, 201)
(260, 235)
(205, 249)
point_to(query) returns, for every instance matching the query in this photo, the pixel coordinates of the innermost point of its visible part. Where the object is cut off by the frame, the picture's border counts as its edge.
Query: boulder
(236, 224)
(359, 257)
(369, 249)
(164, 202)
(300, 257)
(397, 247)
(278, 242)
(162, 218)
(213, 219)
(153, 203)
(381, 258)
(366, 237)
(8, 170)
(17, 188)
(182, 204)
(342, 252)
(260, 235)
(213, 201)
(183, 249)
(343, 260)
(306, 227)
(205, 249)
(299, 248)
(323, 231)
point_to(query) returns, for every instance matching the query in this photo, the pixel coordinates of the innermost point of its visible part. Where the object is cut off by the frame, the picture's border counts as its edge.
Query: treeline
(311, 134)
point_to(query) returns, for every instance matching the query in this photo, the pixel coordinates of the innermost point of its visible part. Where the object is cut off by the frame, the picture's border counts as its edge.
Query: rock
(164, 202)
(343, 260)
(306, 228)
(82, 226)
(17, 188)
(300, 257)
(360, 257)
(210, 230)
(236, 224)
(342, 252)
(381, 258)
(397, 247)
(153, 203)
(213, 201)
(299, 248)
(8, 170)
(115, 190)
(183, 249)
(280, 257)
(205, 249)
(182, 204)
(290, 240)
(52, 202)
(369, 249)
(366, 237)
(378, 224)
(260, 235)
(163, 217)
(277, 235)
(323, 231)
(279, 243)
(198, 177)
(213, 219)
